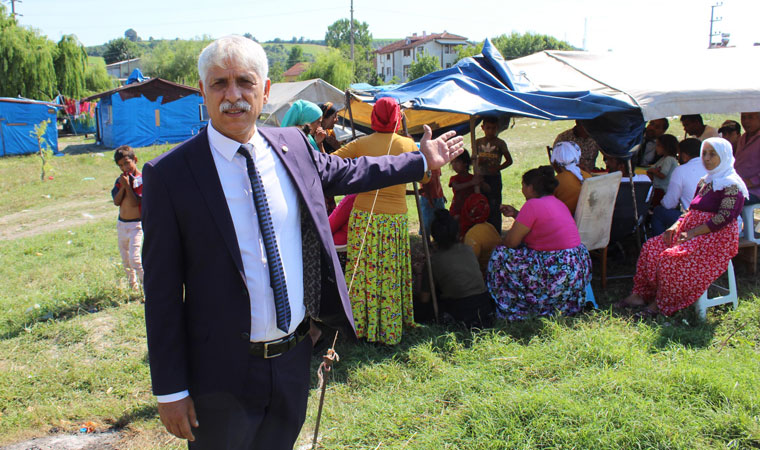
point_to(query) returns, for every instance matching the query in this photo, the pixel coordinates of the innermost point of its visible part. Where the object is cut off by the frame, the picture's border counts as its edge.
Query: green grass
(594, 381)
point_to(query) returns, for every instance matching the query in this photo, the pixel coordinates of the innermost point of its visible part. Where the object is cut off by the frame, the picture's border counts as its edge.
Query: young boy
(490, 150)
(127, 195)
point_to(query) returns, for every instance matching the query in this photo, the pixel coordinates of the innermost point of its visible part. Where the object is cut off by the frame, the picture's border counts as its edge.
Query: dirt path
(94, 441)
(31, 222)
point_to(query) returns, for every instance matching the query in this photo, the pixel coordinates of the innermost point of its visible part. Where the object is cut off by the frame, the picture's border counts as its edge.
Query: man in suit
(238, 255)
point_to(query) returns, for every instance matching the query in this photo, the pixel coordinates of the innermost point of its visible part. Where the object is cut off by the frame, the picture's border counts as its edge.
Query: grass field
(72, 346)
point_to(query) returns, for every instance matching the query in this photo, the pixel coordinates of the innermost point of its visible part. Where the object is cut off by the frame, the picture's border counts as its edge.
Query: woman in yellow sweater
(379, 274)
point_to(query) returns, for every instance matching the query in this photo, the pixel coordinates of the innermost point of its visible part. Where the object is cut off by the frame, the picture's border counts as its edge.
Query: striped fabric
(276, 272)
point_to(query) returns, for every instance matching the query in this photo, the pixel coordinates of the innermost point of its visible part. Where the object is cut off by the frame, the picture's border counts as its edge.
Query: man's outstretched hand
(178, 418)
(438, 152)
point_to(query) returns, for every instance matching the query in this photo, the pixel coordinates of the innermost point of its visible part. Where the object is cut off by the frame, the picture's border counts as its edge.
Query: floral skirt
(528, 283)
(676, 276)
(381, 291)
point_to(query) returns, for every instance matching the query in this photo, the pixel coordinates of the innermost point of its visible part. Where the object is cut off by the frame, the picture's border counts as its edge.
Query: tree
(518, 45)
(96, 78)
(423, 66)
(120, 49)
(26, 61)
(295, 56)
(44, 151)
(333, 68)
(176, 61)
(339, 33)
(275, 72)
(469, 51)
(249, 36)
(131, 34)
(70, 65)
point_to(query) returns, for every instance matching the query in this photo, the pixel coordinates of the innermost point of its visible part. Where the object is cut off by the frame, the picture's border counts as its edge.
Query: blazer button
(245, 336)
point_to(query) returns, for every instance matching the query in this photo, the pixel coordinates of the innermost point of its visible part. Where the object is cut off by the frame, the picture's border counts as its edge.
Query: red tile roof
(297, 69)
(418, 40)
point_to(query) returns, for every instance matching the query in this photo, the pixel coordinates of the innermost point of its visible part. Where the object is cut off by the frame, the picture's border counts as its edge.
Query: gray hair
(235, 48)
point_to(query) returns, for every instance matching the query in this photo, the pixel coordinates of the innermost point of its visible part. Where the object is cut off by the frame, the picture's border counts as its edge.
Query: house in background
(395, 59)
(295, 71)
(121, 70)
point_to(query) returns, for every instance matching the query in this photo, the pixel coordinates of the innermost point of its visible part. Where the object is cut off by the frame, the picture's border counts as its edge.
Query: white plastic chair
(704, 302)
(748, 219)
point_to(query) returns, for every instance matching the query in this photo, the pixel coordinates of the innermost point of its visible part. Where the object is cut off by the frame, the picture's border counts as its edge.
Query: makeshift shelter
(485, 86)
(283, 95)
(18, 117)
(720, 80)
(155, 111)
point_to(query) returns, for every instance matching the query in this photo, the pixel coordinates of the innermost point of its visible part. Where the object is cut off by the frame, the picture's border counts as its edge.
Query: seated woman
(676, 267)
(480, 235)
(329, 118)
(542, 268)
(565, 159)
(458, 281)
(307, 115)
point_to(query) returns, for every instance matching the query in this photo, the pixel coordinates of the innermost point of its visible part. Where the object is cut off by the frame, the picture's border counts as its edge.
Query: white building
(122, 69)
(395, 59)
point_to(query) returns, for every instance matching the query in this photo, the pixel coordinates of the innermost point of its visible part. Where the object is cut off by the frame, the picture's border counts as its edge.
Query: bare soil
(31, 222)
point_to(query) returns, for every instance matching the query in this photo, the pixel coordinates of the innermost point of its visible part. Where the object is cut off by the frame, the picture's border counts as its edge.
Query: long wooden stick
(475, 169)
(350, 113)
(425, 242)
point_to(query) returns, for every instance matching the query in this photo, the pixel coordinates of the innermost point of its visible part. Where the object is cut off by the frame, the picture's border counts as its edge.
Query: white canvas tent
(709, 81)
(282, 96)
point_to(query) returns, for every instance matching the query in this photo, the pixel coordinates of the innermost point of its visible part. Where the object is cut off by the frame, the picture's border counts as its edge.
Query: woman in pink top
(542, 267)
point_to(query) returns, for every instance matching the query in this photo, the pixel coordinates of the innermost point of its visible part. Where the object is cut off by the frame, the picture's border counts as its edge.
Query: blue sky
(620, 25)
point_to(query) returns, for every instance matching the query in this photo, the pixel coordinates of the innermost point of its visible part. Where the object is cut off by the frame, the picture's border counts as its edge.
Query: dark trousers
(752, 199)
(269, 414)
(663, 218)
(475, 310)
(494, 200)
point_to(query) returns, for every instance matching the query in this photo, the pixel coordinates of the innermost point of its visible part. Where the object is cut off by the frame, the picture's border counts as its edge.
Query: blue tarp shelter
(155, 111)
(485, 86)
(18, 116)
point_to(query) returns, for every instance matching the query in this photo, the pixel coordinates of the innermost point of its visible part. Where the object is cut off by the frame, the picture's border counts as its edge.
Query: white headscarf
(724, 175)
(568, 155)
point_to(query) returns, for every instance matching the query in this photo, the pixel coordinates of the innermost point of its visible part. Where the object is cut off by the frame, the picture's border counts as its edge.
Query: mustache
(240, 104)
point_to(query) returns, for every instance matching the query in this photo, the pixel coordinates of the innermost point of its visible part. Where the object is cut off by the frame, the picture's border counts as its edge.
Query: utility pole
(352, 30)
(585, 31)
(13, 9)
(714, 19)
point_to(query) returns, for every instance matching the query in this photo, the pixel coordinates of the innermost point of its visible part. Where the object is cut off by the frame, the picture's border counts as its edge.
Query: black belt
(277, 347)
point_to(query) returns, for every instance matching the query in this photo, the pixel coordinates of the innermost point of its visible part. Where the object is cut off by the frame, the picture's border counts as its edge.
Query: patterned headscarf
(568, 155)
(724, 175)
(386, 115)
(475, 210)
(301, 113)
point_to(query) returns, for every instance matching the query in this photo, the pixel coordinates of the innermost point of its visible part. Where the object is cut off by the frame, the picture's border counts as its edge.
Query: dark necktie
(276, 272)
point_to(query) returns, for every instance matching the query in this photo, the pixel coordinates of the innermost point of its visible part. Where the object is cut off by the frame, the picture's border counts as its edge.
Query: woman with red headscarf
(378, 263)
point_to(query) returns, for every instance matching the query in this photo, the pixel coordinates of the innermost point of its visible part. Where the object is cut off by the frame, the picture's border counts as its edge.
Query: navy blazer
(197, 307)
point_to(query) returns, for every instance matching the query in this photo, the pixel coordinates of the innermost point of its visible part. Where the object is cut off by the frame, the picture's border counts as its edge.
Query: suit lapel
(277, 143)
(202, 166)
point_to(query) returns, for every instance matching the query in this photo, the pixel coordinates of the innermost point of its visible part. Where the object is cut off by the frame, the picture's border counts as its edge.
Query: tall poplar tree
(70, 67)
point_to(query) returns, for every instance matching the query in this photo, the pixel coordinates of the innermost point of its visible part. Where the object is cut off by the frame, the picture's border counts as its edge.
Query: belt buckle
(278, 341)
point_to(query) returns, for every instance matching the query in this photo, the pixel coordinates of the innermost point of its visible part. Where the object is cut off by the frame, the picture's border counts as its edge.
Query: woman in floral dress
(676, 267)
(542, 268)
(378, 263)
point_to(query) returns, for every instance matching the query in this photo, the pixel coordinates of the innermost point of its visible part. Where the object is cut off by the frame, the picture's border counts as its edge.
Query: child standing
(127, 195)
(463, 183)
(667, 148)
(431, 199)
(488, 159)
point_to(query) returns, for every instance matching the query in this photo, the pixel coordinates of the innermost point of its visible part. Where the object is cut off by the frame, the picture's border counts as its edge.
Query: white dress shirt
(683, 184)
(282, 197)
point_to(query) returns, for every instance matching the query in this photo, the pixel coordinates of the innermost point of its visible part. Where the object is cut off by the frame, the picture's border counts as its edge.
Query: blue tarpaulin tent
(155, 111)
(485, 86)
(18, 116)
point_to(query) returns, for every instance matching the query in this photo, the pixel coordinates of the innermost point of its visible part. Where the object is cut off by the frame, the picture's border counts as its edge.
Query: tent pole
(635, 206)
(474, 147)
(425, 243)
(350, 114)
